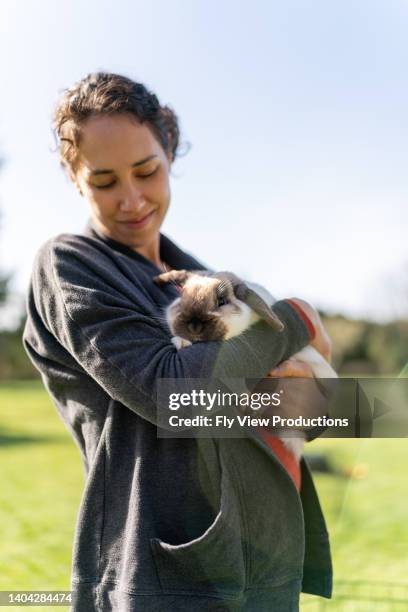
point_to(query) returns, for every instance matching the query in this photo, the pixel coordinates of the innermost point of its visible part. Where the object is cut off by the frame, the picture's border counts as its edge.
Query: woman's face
(123, 172)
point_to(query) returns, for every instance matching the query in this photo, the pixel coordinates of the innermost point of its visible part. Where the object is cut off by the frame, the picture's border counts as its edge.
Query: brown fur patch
(195, 317)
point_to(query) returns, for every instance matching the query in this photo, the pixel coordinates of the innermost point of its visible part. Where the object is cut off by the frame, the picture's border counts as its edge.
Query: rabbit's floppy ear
(250, 297)
(246, 294)
(174, 276)
(179, 277)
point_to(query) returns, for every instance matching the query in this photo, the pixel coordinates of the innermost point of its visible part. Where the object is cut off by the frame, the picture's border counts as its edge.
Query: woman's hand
(302, 396)
(291, 368)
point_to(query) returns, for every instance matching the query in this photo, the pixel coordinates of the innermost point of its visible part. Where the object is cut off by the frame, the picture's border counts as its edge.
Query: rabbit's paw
(180, 343)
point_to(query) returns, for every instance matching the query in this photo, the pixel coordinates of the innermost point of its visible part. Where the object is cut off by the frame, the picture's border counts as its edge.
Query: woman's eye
(112, 183)
(147, 174)
(104, 186)
(222, 301)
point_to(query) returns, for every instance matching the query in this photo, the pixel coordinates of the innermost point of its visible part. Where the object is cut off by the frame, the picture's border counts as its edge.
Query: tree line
(359, 348)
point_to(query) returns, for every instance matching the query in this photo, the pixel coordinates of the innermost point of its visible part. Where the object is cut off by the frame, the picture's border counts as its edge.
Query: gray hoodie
(165, 523)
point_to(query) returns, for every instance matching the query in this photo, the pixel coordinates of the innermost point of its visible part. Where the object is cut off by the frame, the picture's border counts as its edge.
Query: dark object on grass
(319, 462)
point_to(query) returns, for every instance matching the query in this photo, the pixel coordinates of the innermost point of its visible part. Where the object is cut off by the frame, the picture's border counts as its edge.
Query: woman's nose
(132, 198)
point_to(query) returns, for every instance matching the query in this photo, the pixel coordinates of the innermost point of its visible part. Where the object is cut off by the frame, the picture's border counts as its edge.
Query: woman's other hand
(291, 368)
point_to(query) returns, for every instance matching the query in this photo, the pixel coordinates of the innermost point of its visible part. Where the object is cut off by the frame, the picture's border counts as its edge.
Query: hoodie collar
(169, 251)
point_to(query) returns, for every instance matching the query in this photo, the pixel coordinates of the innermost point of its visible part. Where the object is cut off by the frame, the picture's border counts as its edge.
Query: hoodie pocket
(212, 563)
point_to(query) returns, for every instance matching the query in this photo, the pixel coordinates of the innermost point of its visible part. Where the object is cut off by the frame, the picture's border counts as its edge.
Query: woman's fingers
(302, 396)
(292, 368)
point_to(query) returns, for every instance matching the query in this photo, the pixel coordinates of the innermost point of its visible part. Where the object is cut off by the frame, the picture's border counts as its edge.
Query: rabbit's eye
(222, 301)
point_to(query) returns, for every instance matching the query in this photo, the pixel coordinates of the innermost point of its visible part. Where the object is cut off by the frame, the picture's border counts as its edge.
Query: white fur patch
(237, 323)
(180, 343)
(169, 313)
(321, 368)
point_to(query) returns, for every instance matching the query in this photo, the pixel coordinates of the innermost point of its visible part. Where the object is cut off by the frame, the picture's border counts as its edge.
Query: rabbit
(220, 306)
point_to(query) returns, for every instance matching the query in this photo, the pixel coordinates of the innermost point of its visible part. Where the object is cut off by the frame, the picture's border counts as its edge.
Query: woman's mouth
(132, 224)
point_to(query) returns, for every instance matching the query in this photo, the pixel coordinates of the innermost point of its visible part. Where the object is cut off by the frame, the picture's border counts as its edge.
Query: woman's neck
(151, 251)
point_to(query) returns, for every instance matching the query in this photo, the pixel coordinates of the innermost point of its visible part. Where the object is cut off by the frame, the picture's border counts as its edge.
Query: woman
(164, 524)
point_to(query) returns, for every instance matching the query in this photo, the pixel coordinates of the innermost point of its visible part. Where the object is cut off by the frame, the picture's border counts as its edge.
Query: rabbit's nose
(195, 326)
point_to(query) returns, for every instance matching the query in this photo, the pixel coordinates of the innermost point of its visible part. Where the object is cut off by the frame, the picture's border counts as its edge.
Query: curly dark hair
(104, 93)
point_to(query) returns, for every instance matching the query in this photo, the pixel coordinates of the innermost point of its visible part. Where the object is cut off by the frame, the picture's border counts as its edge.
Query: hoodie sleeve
(78, 295)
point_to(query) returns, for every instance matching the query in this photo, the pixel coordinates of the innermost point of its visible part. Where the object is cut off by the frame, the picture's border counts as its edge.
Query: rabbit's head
(213, 306)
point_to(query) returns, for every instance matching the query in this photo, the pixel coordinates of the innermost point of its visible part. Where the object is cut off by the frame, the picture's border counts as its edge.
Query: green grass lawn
(367, 517)
(42, 480)
(41, 485)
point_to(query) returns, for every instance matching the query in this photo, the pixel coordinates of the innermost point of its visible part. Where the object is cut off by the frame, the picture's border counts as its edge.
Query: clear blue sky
(297, 115)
